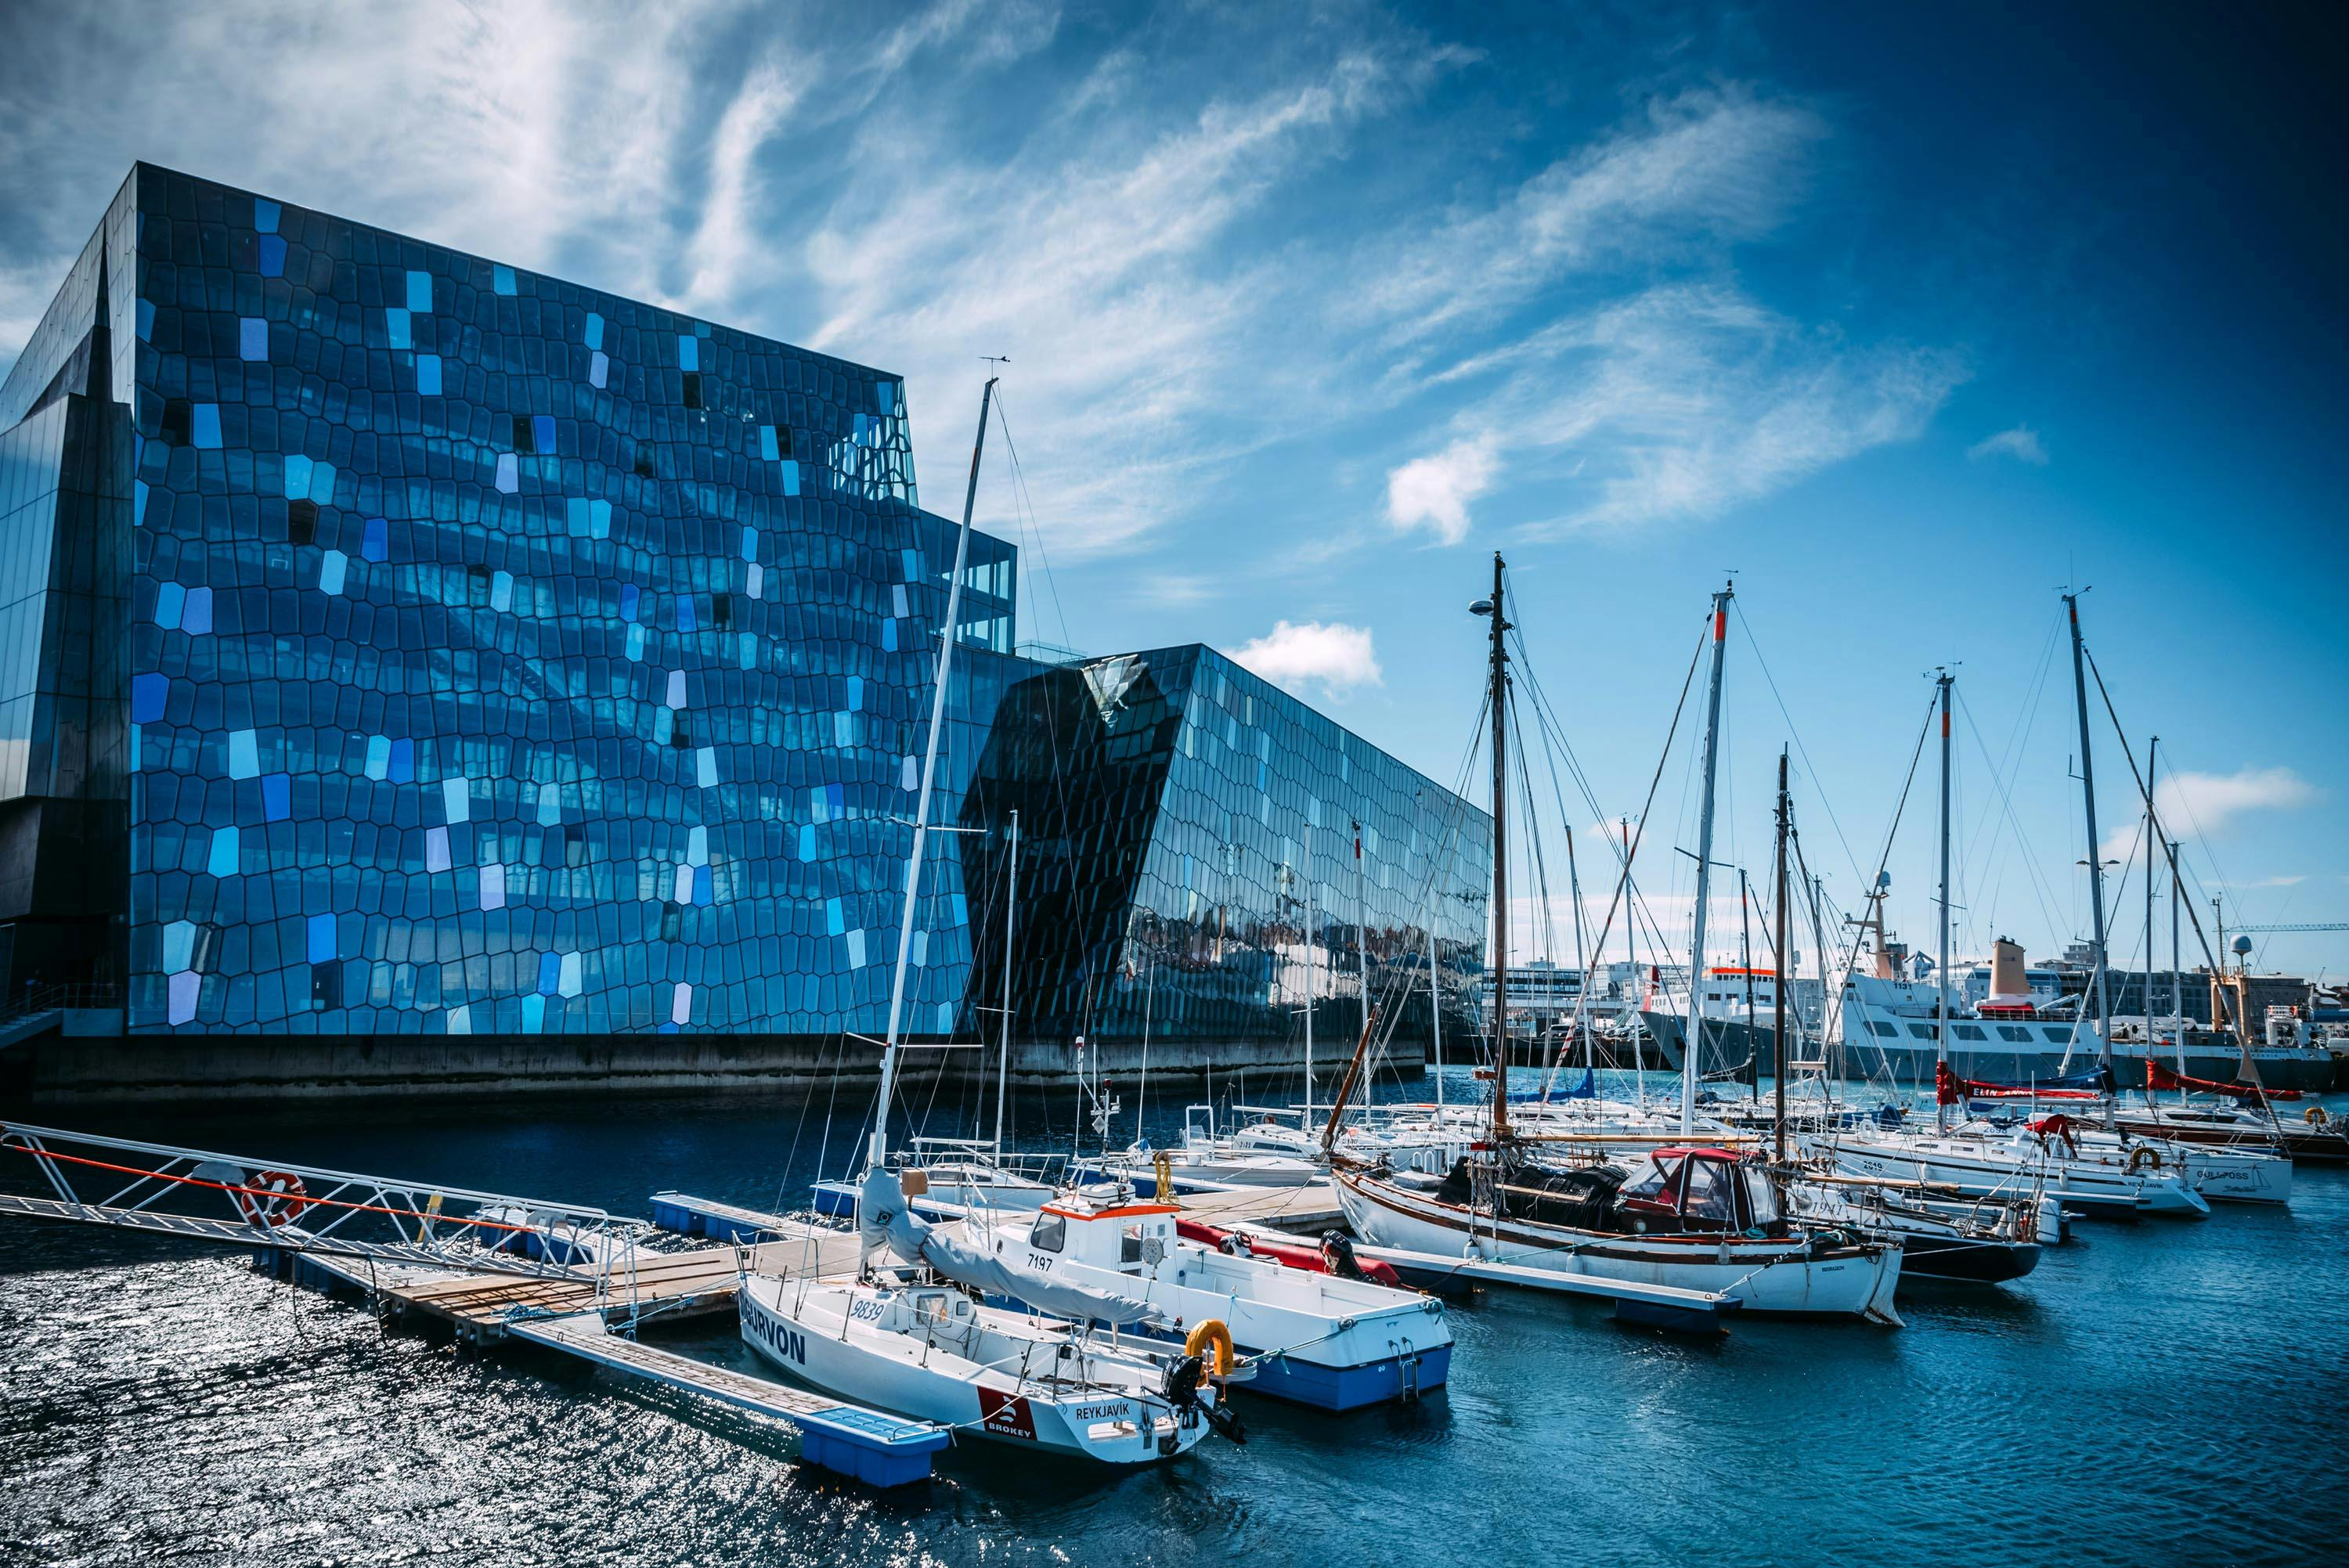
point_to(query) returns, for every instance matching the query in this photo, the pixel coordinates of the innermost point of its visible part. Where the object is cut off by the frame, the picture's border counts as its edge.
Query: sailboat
(912, 1330)
(1693, 1215)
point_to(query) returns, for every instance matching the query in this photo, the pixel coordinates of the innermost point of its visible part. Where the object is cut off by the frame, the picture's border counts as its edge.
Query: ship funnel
(2007, 982)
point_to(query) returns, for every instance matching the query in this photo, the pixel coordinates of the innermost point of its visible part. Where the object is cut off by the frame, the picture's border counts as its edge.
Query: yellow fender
(1211, 1331)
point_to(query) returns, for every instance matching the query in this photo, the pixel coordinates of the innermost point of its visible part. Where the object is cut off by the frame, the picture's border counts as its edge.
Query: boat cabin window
(1761, 1197)
(2015, 1033)
(1922, 1031)
(1883, 1028)
(1970, 1031)
(1051, 1233)
(1709, 1186)
(1656, 1183)
(1129, 1245)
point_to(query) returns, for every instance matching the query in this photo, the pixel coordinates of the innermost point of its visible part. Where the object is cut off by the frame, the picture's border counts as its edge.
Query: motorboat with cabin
(1317, 1338)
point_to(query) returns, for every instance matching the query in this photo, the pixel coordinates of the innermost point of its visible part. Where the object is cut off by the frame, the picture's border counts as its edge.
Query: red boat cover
(1949, 1089)
(2157, 1077)
(1295, 1255)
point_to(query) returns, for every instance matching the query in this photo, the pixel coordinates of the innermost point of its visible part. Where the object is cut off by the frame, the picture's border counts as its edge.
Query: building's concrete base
(63, 1069)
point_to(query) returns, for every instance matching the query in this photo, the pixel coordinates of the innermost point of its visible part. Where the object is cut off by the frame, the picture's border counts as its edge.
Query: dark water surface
(2164, 1392)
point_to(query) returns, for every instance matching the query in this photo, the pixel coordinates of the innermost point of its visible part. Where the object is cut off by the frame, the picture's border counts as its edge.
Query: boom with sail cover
(883, 1219)
(2157, 1077)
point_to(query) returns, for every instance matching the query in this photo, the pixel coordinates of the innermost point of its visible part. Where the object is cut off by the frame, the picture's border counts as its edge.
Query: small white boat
(1319, 1339)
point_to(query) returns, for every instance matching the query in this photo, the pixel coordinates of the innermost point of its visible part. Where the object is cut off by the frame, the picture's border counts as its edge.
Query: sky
(1902, 320)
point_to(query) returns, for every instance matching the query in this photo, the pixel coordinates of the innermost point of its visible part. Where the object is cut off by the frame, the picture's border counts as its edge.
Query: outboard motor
(1338, 1256)
(1180, 1386)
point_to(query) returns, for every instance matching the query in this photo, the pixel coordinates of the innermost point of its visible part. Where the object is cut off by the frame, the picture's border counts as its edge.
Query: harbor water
(2158, 1392)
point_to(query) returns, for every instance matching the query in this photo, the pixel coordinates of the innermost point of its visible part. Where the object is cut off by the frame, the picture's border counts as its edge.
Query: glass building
(398, 642)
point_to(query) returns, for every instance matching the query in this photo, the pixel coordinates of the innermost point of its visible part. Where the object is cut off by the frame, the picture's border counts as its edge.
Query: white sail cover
(883, 1219)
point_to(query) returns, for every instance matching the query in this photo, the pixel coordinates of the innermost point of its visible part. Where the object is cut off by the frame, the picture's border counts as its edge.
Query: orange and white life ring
(270, 1199)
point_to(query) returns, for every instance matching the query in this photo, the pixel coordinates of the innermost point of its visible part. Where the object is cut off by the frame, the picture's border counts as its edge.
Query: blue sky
(1908, 319)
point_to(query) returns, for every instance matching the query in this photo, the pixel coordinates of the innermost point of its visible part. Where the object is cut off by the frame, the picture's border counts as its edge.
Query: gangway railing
(200, 1194)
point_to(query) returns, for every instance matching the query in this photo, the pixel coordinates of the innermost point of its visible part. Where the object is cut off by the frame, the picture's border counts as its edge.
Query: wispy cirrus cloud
(2208, 805)
(1684, 401)
(2022, 443)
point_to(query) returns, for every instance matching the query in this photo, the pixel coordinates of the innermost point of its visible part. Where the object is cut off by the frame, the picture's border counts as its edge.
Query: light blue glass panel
(395, 322)
(689, 352)
(321, 482)
(373, 544)
(502, 277)
(834, 923)
(598, 369)
(277, 796)
(297, 476)
(330, 571)
(378, 756)
(427, 375)
(542, 430)
(223, 861)
(599, 519)
(170, 599)
(319, 935)
(204, 426)
(264, 215)
(420, 293)
(251, 338)
(148, 691)
(789, 470)
(179, 943)
(595, 330)
(509, 473)
(767, 448)
(550, 973)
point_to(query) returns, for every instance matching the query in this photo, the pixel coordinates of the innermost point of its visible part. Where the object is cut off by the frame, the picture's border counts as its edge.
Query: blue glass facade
(454, 649)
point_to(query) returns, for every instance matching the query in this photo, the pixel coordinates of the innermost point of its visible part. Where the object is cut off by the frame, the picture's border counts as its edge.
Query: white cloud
(2276, 882)
(1336, 656)
(2022, 443)
(2206, 804)
(1434, 492)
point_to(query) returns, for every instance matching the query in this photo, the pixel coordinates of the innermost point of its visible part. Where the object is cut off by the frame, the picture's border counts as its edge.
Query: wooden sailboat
(1692, 1215)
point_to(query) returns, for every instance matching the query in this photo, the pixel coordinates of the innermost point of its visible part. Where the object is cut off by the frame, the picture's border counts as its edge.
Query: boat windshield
(1709, 1185)
(1762, 1197)
(1654, 1183)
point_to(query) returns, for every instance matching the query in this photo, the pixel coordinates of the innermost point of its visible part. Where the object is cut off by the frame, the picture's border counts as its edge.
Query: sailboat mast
(1690, 1048)
(2151, 834)
(1746, 962)
(2096, 865)
(1497, 608)
(1309, 976)
(1942, 1009)
(1003, 1050)
(2177, 975)
(1778, 965)
(880, 1146)
(1362, 920)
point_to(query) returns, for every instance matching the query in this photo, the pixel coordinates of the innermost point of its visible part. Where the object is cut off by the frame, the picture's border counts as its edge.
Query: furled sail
(883, 1219)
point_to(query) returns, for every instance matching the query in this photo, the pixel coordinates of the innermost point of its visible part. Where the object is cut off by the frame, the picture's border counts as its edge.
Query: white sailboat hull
(1772, 1275)
(1991, 1171)
(824, 1335)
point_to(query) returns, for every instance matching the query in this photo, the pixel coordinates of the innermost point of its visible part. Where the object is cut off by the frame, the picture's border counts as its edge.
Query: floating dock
(490, 1266)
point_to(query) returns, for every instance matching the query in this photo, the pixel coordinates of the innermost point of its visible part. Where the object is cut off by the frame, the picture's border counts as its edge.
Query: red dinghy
(1290, 1254)
(2157, 1077)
